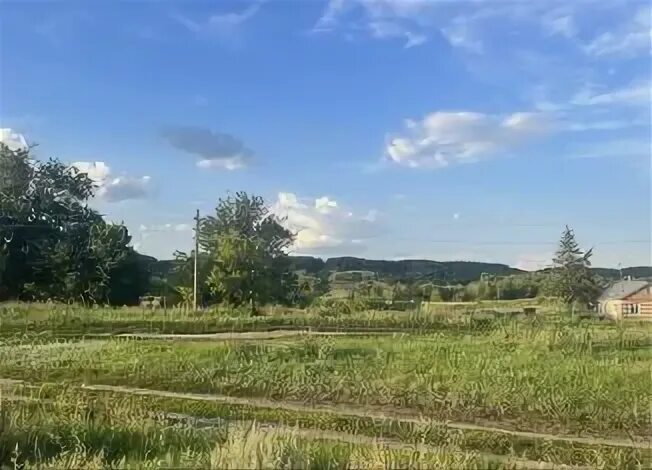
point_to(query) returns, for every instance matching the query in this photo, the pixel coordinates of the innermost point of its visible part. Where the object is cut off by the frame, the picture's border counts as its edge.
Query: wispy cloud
(223, 26)
(629, 39)
(560, 23)
(636, 94)
(385, 29)
(378, 19)
(461, 34)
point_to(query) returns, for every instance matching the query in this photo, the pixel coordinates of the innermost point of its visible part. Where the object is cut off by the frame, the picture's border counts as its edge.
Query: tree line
(54, 246)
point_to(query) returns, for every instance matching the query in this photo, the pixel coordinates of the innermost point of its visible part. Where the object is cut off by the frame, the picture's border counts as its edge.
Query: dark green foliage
(130, 279)
(571, 278)
(244, 256)
(52, 245)
(462, 271)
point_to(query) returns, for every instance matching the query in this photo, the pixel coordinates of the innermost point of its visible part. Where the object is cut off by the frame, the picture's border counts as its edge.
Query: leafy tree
(571, 277)
(130, 279)
(53, 245)
(181, 276)
(246, 247)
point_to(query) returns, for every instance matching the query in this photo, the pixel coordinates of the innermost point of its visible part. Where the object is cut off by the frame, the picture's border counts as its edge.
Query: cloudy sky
(447, 130)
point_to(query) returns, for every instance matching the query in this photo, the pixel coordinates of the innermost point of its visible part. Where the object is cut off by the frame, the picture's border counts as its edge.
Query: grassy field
(62, 320)
(69, 430)
(498, 393)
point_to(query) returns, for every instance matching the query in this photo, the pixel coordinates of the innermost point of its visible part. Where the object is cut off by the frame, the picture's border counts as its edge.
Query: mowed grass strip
(557, 380)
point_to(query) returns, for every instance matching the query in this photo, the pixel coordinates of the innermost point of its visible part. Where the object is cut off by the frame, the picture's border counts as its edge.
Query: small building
(626, 299)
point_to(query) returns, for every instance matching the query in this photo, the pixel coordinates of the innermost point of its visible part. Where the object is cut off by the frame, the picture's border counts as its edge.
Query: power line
(513, 242)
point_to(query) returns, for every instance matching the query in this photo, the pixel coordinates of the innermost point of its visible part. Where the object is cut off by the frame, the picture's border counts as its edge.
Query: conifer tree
(571, 278)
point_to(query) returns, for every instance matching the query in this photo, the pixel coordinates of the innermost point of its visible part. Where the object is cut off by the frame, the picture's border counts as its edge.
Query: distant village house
(627, 299)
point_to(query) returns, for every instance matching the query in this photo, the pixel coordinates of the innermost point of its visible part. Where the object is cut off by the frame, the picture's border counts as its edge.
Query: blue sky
(388, 129)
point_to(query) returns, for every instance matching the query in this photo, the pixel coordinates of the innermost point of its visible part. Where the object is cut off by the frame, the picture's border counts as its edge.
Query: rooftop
(622, 289)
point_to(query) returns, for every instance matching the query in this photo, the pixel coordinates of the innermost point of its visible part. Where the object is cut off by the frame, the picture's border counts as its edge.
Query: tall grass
(70, 432)
(74, 321)
(556, 378)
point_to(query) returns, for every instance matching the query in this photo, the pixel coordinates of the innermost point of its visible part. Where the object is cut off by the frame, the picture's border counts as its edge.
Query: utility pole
(194, 287)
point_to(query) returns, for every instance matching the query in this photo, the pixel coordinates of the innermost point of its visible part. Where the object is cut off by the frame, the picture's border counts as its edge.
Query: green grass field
(501, 393)
(62, 320)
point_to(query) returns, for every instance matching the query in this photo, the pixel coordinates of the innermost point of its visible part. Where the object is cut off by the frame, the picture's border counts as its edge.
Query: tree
(52, 244)
(246, 245)
(130, 279)
(571, 277)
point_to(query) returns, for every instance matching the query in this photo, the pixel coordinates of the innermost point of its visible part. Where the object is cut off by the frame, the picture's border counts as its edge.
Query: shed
(627, 298)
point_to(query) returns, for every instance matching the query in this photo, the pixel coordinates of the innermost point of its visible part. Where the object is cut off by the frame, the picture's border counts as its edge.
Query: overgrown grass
(547, 374)
(556, 378)
(74, 431)
(71, 321)
(425, 433)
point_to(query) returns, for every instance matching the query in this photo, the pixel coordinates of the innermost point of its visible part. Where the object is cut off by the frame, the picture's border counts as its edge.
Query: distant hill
(636, 272)
(410, 269)
(459, 271)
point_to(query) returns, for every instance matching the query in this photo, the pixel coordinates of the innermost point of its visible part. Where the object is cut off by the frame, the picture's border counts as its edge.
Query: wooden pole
(194, 287)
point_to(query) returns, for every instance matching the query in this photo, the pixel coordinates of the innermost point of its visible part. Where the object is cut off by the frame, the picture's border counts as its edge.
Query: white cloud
(380, 19)
(114, 189)
(325, 205)
(560, 24)
(323, 226)
(328, 20)
(96, 171)
(124, 188)
(637, 94)
(166, 228)
(631, 39)
(223, 26)
(229, 163)
(12, 139)
(386, 30)
(445, 138)
(461, 34)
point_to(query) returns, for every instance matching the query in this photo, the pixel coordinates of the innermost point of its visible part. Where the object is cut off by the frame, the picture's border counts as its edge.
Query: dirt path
(358, 411)
(251, 335)
(361, 439)
(367, 412)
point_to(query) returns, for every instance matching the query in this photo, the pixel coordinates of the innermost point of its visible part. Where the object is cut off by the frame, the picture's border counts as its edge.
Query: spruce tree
(572, 280)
